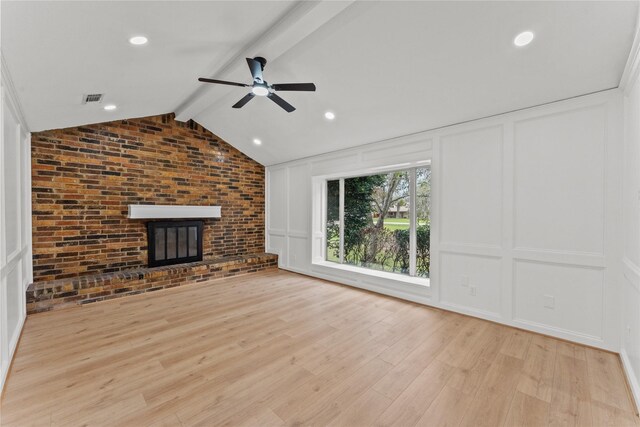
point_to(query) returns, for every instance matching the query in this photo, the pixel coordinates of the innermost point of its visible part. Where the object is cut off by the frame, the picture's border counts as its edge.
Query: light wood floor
(283, 349)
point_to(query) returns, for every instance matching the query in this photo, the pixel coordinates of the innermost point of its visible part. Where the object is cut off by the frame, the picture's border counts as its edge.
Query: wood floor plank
(264, 417)
(605, 376)
(399, 378)
(493, 399)
(447, 409)
(235, 401)
(517, 345)
(277, 348)
(400, 349)
(536, 379)
(609, 416)
(364, 411)
(100, 413)
(457, 349)
(527, 411)
(570, 397)
(472, 369)
(169, 421)
(293, 403)
(568, 410)
(413, 402)
(328, 406)
(572, 350)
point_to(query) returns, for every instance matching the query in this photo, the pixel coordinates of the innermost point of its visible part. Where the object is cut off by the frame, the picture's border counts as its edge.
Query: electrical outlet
(473, 290)
(549, 301)
(464, 281)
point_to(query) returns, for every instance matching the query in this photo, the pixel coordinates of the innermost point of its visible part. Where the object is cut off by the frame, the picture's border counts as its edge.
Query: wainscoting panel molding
(15, 220)
(630, 253)
(525, 206)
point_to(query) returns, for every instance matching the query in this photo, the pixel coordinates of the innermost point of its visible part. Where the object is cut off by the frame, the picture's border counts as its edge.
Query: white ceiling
(58, 51)
(385, 68)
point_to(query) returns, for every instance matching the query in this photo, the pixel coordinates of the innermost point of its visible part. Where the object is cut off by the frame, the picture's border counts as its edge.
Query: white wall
(15, 221)
(630, 279)
(526, 204)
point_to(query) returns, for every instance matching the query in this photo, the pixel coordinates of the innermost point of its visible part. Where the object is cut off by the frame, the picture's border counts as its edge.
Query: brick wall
(84, 177)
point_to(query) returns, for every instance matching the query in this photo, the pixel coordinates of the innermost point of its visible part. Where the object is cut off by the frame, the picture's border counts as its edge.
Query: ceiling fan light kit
(261, 88)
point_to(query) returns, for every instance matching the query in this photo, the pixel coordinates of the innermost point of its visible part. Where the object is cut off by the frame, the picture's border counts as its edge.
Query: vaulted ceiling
(385, 69)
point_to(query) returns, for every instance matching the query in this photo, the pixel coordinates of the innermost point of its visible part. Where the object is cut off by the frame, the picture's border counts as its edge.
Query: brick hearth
(65, 293)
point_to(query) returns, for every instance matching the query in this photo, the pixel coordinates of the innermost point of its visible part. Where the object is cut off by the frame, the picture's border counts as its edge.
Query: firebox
(174, 242)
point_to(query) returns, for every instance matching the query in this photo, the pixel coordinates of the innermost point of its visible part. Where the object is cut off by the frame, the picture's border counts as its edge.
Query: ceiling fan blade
(281, 102)
(222, 82)
(256, 69)
(308, 87)
(248, 97)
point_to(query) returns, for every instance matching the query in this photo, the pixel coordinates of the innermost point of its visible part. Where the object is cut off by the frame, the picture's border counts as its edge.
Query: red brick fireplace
(84, 178)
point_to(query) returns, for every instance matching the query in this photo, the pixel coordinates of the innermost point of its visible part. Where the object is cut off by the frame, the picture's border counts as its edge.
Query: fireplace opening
(174, 242)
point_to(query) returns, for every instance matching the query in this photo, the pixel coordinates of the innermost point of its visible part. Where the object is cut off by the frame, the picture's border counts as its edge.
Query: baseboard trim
(632, 379)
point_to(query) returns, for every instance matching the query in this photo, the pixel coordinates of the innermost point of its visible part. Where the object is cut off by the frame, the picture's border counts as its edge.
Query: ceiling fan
(261, 88)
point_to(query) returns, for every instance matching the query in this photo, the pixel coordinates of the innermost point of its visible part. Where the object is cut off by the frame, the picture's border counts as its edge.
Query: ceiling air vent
(93, 97)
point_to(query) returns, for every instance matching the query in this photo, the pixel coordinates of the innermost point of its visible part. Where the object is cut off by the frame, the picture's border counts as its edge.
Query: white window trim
(413, 242)
(341, 220)
(396, 277)
(322, 261)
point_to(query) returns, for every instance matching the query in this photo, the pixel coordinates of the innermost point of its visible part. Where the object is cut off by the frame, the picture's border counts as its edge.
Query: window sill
(396, 277)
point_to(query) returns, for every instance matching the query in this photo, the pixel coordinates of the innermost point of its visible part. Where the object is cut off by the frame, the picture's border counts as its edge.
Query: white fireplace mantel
(172, 211)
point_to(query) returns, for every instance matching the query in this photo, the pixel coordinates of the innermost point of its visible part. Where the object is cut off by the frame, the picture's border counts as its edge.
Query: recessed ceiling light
(329, 115)
(257, 141)
(110, 107)
(138, 40)
(523, 39)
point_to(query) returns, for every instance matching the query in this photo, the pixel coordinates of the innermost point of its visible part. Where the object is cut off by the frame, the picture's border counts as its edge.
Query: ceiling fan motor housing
(262, 61)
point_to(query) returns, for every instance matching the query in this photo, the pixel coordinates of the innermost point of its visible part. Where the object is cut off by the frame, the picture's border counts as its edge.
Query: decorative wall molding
(465, 248)
(15, 267)
(560, 257)
(13, 260)
(498, 260)
(629, 278)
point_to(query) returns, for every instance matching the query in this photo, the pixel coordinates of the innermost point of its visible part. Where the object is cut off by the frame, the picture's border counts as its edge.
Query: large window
(380, 221)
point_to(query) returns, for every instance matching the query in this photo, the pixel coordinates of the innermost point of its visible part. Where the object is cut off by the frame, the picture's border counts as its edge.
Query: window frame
(411, 168)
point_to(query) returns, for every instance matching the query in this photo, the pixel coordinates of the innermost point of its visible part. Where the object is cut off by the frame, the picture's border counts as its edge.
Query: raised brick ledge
(75, 291)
